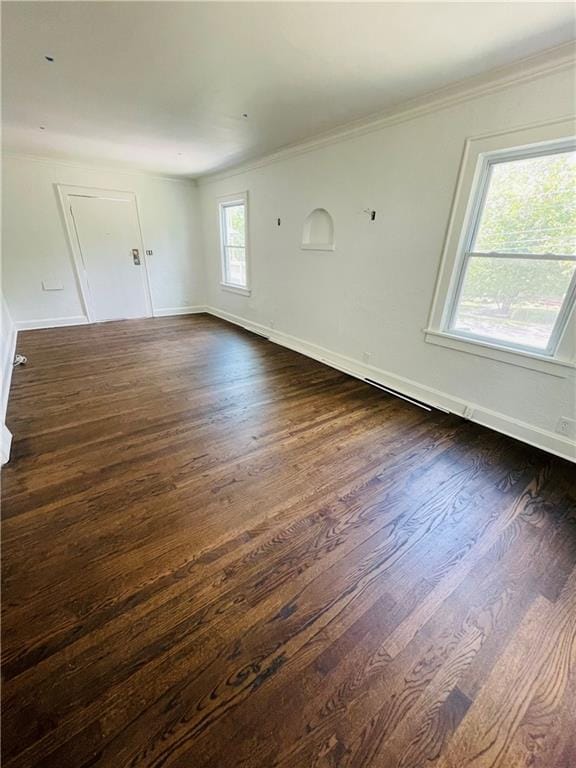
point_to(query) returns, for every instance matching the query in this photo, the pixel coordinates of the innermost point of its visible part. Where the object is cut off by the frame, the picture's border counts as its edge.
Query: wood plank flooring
(218, 553)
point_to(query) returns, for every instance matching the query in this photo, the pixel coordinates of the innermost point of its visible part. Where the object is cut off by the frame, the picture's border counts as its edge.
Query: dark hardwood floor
(219, 553)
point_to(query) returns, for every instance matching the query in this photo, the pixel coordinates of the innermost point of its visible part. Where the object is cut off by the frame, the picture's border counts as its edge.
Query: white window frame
(240, 198)
(480, 154)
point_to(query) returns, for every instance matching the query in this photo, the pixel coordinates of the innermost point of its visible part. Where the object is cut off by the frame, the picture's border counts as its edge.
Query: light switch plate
(52, 285)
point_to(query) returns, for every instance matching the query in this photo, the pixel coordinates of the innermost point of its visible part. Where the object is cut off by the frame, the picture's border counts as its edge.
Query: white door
(110, 246)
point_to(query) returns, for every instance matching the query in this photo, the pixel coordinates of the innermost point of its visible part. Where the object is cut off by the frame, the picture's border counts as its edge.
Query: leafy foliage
(530, 209)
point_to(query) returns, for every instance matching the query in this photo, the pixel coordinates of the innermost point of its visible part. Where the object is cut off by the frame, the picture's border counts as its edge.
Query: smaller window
(233, 237)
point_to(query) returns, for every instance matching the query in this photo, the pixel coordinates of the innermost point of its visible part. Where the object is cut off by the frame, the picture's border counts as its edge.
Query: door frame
(65, 193)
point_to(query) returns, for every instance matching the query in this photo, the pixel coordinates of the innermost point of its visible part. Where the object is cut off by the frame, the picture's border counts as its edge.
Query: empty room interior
(288, 384)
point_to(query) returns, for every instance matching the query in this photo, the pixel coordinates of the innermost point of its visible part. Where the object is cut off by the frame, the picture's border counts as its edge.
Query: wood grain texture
(218, 553)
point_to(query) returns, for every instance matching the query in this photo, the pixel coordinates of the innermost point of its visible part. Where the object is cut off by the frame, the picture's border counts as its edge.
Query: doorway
(106, 242)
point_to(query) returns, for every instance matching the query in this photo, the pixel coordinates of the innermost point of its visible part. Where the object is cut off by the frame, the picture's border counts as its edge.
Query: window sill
(531, 360)
(235, 289)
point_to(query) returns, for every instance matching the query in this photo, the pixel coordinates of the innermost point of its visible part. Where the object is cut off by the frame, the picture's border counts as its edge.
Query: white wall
(7, 350)
(371, 295)
(8, 344)
(374, 293)
(35, 247)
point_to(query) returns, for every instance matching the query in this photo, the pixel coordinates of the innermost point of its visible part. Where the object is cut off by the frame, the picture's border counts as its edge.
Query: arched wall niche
(318, 232)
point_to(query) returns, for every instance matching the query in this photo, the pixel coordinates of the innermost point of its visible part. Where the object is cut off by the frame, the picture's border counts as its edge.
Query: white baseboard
(169, 311)
(50, 322)
(57, 322)
(527, 433)
(499, 422)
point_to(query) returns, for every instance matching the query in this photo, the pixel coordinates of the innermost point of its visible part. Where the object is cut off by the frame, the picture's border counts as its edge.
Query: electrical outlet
(272, 324)
(566, 427)
(366, 356)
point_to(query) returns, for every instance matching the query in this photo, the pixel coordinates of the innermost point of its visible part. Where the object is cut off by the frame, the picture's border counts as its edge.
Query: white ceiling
(162, 85)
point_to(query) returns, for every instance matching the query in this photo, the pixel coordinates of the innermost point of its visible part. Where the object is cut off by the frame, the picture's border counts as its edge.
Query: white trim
(144, 257)
(170, 311)
(519, 430)
(229, 201)
(57, 322)
(231, 288)
(543, 439)
(50, 322)
(470, 228)
(73, 250)
(478, 152)
(65, 192)
(541, 363)
(525, 70)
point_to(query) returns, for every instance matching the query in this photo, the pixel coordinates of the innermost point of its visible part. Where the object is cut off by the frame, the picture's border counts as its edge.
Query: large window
(233, 236)
(516, 270)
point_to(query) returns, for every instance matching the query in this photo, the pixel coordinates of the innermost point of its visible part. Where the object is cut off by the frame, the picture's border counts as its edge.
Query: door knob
(136, 256)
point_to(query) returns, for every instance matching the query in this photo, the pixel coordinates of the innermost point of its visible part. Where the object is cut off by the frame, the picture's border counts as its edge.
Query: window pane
(512, 300)
(234, 225)
(530, 207)
(236, 266)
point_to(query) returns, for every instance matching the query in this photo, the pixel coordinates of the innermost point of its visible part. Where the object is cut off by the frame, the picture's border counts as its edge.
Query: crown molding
(525, 70)
(117, 169)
